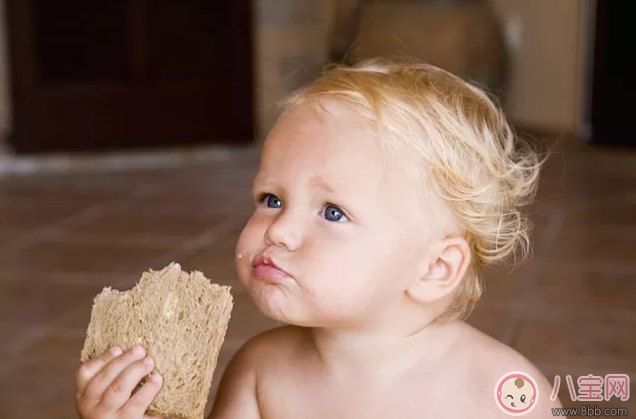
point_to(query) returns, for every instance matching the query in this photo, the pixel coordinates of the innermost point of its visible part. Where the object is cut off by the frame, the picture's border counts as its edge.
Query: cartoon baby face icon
(516, 393)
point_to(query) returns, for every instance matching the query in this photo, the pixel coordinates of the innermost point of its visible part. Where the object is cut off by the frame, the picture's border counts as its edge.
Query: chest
(283, 396)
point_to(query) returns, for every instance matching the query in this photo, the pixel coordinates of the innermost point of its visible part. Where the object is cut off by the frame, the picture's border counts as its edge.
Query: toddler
(382, 192)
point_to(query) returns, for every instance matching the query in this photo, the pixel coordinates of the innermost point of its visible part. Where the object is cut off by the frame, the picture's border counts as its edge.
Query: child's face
(343, 222)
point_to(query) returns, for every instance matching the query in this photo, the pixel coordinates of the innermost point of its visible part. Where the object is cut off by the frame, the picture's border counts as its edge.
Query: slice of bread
(180, 319)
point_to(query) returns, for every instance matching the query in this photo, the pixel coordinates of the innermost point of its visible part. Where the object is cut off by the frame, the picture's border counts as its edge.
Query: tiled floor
(571, 309)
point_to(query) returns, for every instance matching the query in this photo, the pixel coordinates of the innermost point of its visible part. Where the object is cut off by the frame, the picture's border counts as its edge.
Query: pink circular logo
(516, 393)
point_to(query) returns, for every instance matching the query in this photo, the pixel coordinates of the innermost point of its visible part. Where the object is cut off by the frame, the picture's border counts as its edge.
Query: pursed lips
(266, 269)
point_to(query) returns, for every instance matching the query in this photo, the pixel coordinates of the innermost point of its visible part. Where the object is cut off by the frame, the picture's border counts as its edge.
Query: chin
(271, 301)
(277, 306)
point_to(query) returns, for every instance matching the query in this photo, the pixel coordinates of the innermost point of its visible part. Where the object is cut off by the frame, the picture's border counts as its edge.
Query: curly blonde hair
(471, 156)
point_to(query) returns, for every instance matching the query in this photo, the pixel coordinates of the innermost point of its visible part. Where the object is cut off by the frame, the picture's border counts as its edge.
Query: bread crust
(180, 319)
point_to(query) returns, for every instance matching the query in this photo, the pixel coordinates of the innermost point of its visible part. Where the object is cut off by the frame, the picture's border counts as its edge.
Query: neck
(386, 351)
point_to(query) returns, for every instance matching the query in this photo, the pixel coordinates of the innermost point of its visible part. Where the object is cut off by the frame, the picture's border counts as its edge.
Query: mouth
(513, 404)
(264, 268)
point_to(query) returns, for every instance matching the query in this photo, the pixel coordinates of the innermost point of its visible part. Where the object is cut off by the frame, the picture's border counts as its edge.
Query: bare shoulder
(237, 394)
(490, 355)
(272, 344)
(268, 348)
(490, 363)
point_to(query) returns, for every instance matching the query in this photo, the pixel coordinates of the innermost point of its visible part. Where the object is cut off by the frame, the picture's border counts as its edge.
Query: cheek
(249, 242)
(331, 260)
(252, 235)
(346, 270)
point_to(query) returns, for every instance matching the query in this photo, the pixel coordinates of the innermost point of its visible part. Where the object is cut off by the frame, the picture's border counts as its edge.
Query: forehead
(326, 148)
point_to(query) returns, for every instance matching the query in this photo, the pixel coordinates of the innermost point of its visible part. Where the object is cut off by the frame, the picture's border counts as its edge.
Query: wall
(290, 37)
(290, 48)
(544, 88)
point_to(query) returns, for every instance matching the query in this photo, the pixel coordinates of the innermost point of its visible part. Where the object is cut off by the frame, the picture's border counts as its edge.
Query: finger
(119, 391)
(88, 370)
(104, 378)
(139, 402)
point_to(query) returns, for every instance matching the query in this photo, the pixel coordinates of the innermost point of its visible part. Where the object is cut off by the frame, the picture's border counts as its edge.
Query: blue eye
(335, 214)
(272, 201)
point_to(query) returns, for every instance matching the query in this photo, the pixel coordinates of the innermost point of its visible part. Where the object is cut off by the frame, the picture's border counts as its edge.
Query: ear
(442, 270)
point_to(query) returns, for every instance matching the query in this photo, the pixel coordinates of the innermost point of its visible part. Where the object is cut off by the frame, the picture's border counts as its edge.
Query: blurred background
(128, 132)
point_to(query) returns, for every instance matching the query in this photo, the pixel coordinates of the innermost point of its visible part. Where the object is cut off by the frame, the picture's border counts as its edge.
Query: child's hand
(105, 385)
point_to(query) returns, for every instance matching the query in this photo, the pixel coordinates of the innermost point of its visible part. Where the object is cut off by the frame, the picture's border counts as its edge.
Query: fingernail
(116, 351)
(156, 378)
(148, 360)
(138, 350)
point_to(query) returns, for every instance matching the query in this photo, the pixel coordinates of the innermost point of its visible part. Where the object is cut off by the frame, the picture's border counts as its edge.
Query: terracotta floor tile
(144, 224)
(42, 382)
(247, 321)
(493, 322)
(26, 219)
(32, 303)
(213, 196)
(592, 214)
(72, 187)
(585, 288)
(85, 256)
(576, 339)
(229, 240)
(63, 348)
(64, 278)
(503, 286)
(12, 336)
(218, 264)
(540, 229)
(125, 180)
(76, 321)
(56, 202)
(585, 247)
(598, 184)
(9, 236)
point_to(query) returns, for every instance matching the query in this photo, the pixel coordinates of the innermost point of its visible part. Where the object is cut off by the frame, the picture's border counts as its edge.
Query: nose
(284, 231)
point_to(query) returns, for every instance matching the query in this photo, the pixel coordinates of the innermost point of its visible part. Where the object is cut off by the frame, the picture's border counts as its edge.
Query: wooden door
(91, 75)
(613, 87)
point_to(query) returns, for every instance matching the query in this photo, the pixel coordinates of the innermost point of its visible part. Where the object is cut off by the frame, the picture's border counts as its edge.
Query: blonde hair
(471, 156)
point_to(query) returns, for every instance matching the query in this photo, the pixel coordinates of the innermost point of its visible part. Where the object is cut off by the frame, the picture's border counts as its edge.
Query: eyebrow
(320, 183)
(315, 181)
